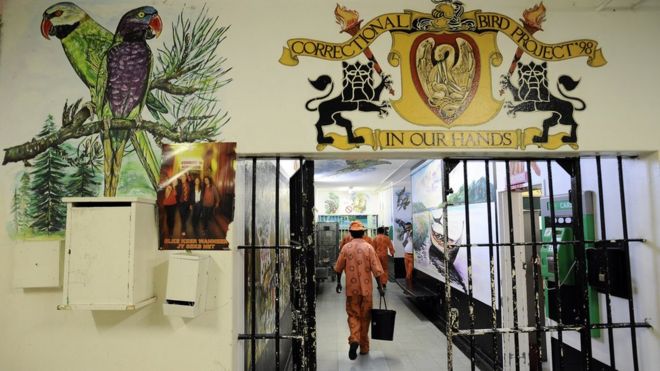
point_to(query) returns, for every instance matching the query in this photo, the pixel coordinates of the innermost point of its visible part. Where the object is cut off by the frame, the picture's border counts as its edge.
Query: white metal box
(187, 278)
(38, 264)
(110, 254)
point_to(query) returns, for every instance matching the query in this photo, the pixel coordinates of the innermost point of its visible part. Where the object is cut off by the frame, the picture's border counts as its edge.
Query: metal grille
(590, 264)
(299, 342)
(513, 332)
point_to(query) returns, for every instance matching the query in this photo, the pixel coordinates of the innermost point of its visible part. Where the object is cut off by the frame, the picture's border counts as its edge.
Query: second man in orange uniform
(382, 244)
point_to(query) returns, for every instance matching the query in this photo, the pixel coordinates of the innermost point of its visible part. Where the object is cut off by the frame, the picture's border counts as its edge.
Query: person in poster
(184, 193)
(197, 179)
(196, 205)
(170, 206)
(210, 200)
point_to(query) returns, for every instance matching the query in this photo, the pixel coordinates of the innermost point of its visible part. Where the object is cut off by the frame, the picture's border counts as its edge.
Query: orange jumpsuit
(358, 259)
(382, 244)
(347, 238)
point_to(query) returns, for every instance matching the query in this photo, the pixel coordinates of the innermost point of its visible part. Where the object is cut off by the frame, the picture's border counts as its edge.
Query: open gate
(546, 265)
(279, 334)
(547, 258)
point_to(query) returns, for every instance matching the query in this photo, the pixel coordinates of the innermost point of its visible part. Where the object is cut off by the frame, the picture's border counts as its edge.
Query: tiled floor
(418, 345)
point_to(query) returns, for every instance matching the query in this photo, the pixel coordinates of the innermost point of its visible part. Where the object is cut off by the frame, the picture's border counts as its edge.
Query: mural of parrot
(123, 84)
(85, 43)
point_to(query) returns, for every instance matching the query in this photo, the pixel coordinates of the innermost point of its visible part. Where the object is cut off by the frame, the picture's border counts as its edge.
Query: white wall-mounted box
(187, 278)
(38, 264)
(110, 254)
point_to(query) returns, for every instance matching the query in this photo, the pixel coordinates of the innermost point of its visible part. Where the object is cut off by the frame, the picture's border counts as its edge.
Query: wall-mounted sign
(445, 59)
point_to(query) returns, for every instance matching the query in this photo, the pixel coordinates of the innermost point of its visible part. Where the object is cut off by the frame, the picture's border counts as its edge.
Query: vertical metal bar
(311, 275)
(581, 259)
(624, 224)
(469, 259)
(492, 270)
(560, 335)
(253, 237)
(246, 286)
(497, 240)
(535, 267)
(277, 263)
(514, 288)
(303, 268)
(448, 313)
(603, 236)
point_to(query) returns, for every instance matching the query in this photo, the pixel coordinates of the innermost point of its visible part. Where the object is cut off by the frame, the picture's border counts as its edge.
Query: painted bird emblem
(122, 89)
(86, 44)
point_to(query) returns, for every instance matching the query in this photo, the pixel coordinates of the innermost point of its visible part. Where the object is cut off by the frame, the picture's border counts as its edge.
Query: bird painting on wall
(86, 44)
(123, 84)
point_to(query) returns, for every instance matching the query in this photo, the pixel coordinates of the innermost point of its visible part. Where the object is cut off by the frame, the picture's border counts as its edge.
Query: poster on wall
(429, 227)
(401, 212)
(341, 203)
(519, 177)
(196, 196)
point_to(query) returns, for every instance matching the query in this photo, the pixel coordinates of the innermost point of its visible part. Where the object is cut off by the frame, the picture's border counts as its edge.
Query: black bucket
(382, 323)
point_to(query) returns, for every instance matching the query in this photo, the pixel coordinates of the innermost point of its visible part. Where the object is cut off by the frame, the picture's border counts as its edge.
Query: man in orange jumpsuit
(408, 255)
(358, 259)
(348, 238)
(382, 244)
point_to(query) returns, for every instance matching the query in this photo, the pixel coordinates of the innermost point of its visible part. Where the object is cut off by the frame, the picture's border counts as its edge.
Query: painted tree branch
(165, 85)
(31, 149)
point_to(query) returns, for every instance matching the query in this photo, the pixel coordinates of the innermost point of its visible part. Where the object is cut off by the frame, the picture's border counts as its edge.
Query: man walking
(382, 244)
(358, 259)
(408, 254)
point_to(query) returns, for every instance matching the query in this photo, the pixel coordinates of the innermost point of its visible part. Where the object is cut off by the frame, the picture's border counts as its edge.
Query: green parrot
(85, 43)
(123, 82)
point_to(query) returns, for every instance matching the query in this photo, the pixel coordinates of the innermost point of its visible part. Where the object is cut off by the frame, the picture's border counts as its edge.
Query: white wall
(266, 103)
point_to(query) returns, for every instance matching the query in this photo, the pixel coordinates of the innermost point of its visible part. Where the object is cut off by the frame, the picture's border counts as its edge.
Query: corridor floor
(418, 345)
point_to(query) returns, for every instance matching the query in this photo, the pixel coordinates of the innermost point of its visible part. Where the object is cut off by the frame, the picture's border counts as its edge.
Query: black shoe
(352, 351)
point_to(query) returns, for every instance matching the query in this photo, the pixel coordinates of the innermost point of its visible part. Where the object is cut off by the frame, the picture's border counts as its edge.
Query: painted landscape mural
(429, 225)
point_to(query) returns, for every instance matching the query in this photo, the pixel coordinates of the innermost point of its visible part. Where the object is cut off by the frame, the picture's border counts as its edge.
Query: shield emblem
(445, 71)
(445, 77)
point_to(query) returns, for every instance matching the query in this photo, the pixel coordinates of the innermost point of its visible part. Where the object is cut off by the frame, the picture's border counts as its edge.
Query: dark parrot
(124, 86)
(86, 43)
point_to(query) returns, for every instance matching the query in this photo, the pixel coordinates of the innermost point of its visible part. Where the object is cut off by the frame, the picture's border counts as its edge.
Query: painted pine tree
(47, 188)
(86, 178)
(19, 207)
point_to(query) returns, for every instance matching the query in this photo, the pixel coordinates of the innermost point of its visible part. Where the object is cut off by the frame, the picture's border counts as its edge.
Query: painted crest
(445, 58)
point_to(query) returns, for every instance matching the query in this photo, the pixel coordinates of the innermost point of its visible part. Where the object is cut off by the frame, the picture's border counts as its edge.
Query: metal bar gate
(545, 264)
(537, 269)
(270, 349)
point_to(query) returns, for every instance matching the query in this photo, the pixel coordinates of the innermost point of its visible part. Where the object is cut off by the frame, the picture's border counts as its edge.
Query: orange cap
(356, 225)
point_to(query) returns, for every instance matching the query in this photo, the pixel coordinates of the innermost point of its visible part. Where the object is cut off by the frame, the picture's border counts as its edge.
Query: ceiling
(597, 5)
(358, 173)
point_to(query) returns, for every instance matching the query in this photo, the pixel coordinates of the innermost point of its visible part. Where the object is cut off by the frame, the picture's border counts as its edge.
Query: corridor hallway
(418, 344)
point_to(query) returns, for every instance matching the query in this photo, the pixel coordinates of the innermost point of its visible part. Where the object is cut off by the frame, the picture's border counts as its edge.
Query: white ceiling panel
(356, 173)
